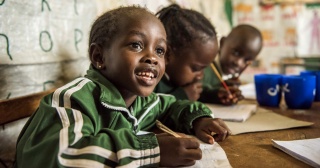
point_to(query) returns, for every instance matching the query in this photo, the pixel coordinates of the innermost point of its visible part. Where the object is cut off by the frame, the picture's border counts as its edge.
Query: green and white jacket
(86, 124)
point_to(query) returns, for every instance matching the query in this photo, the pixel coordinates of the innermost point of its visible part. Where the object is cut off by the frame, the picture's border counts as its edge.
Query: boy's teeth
(146, 74)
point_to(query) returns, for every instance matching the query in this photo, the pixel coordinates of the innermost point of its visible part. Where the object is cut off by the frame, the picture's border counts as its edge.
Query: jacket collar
(108, 92)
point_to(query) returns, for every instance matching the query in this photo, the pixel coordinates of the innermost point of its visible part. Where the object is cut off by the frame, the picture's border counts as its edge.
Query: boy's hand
(193, 90)
(178, 151)
(227, 99)
(233, 82)
(210, 129)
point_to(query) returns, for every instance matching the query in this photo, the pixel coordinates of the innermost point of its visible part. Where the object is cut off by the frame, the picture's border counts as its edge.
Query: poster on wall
(308, 28)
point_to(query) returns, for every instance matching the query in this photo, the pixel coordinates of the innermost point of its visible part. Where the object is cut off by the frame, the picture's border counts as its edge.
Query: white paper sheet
(213, 156)
(265, 120)
(306, 150)
(236, 113)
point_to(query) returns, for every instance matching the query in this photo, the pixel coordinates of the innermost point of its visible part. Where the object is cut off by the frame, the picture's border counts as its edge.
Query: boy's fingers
(222, 131)
(191, 143)
(193, 154)
(188, 162)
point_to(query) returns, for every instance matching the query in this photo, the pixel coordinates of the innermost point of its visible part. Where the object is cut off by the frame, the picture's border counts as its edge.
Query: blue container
(268, 90)
(317, 74)
(299, 91)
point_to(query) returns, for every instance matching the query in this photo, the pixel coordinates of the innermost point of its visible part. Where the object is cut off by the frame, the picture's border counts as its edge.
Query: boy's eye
(236, 53)
(160, 52)
(196, 68)
(136, 45)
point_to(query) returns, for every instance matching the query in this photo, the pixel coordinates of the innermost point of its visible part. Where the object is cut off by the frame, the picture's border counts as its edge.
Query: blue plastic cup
(317, 74)
(268, 91)
(299, 91)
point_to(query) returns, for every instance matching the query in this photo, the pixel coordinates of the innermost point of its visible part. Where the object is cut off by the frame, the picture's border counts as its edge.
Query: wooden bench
(13, 116)
(20, 107)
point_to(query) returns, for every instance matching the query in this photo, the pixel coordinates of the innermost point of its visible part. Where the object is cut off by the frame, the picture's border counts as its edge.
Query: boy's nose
(150, 60)
(241, 63)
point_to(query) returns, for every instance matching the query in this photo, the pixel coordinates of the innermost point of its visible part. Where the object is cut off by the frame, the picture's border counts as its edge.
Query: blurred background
(43, 44)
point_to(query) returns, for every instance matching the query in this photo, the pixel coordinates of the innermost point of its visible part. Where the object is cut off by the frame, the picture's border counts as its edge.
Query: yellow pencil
(220, 78)
(166, 129)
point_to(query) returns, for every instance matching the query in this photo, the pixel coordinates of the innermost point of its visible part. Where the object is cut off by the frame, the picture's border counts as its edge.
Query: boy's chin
(146, 92)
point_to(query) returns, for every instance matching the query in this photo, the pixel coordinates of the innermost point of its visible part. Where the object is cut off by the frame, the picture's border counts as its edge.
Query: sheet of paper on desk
(306, 150)
(265, 120)
(237, 112)
(213, 156)
(248, 91)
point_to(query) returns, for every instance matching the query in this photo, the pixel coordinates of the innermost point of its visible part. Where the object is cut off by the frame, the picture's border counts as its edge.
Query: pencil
(166, 129)
(220, 78)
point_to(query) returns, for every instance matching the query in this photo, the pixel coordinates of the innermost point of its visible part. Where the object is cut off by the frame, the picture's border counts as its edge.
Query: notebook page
(237, 112)
(213, 156)
(307, 150)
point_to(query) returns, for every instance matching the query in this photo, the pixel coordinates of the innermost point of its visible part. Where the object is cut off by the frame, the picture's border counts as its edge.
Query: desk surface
(256, 150)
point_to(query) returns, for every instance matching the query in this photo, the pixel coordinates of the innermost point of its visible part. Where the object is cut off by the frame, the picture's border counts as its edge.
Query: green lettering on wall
(1, 3)
(46, 3)
(42, 34)
(77, 37)
(7, 40)
(75, 7)
(8, 96)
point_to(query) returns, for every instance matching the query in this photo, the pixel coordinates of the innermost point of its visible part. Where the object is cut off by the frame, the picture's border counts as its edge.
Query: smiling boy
(104, 119)
(237, 51)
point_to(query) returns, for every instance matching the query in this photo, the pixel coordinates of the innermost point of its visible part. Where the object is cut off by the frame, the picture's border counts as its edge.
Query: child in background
(237, 51)
(192, 46)
(102, 119)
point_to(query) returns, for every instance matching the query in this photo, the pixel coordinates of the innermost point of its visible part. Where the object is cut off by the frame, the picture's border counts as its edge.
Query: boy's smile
(134, 62)
(147, 76)
(239, 49)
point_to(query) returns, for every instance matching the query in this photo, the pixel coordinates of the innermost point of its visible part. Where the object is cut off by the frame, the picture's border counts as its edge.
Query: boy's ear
(222, 41)
(96, 56)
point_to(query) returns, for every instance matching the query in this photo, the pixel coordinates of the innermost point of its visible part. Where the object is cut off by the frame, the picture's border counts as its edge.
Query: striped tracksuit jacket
(86, 123)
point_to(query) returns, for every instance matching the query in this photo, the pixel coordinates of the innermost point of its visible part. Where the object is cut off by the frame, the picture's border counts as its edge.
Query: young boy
(192, 46)
(102, 119)
(237, 51)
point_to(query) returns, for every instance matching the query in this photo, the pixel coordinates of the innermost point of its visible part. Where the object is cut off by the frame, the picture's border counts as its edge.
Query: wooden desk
(256, 150)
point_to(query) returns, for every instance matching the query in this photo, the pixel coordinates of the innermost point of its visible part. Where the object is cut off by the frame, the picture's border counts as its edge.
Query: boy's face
(236, 53)
(186, 65)
(135, 60)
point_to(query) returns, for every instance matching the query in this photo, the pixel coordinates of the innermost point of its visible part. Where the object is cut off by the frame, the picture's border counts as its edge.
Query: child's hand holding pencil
(228, 95)
(177, 150)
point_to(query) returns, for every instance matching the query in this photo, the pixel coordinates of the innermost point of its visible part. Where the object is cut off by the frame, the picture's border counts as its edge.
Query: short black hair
(106, 27)
(247, 31)
(185, 25)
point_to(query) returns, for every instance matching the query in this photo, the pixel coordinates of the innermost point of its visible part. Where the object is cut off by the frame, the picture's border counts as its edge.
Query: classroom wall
(43, 44)
(290, 30)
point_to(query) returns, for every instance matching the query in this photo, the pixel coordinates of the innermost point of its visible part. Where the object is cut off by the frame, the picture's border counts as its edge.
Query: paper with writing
(237, 112)
(306, 150)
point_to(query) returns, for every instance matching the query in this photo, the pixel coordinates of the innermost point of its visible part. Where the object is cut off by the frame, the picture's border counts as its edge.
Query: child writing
(192, 46)
(237, 51)
(103, 119)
